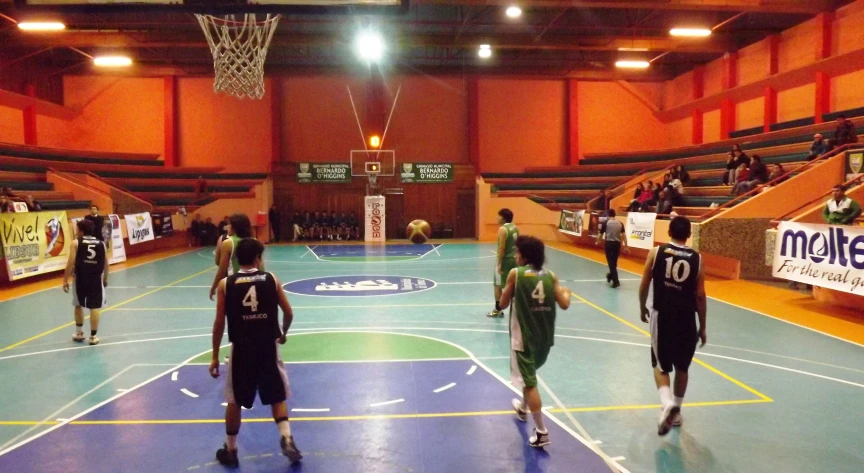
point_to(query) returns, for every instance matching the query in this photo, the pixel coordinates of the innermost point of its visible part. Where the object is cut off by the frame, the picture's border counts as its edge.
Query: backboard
(384, 158)
(216, 7)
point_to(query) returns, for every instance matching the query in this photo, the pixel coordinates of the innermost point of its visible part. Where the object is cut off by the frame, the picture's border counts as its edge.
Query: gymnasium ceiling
(553, 38)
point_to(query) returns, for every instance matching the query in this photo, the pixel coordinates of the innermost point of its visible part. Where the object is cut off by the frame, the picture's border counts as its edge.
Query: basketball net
(239, 50)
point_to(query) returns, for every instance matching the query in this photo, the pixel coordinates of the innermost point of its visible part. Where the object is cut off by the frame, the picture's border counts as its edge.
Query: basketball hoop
(239, 50)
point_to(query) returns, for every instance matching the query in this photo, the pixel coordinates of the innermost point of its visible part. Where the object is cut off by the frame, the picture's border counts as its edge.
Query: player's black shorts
(88, 293)
(673, 341)
(256, 368)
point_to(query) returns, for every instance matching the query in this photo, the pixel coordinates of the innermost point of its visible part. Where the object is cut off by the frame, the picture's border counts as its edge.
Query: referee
(613, 232)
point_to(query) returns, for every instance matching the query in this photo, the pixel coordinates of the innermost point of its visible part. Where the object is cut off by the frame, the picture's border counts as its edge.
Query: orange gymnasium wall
(11, 125)
(613, 119)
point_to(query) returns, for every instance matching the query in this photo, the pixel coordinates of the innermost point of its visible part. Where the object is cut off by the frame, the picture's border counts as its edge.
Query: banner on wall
(375, 218)
(35, 242)
(162, 224)
(854, 164)
(829, 256)
(640, 230)
(139, 228)
(426, 173)
(323, 172)
(571, 222)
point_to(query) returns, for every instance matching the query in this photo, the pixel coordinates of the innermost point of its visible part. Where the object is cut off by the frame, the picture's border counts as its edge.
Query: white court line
(325, 409)
(806, 373)
(174, 376)
(471, 370)
(122, 390)
(98, 347)
(385, 403)
(225, 404)
(598, 442)
(436, 250)
(618, 459)
(444, 388)
(308, 250)
(188, 393)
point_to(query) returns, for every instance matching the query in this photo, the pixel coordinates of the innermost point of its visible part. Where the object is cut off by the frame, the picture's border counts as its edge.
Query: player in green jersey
(239, 227)
(535, 292)
(506, 259)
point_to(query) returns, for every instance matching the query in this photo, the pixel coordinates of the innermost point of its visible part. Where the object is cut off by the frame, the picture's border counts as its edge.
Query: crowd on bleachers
(8, 198)
(322, 226)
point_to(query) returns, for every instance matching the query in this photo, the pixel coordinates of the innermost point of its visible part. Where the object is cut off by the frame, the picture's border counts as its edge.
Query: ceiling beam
(755, 6)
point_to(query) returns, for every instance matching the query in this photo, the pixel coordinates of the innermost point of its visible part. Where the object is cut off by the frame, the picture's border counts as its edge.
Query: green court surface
(765, 395)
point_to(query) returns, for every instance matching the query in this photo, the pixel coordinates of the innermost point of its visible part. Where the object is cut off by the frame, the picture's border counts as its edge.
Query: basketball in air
(419, 231)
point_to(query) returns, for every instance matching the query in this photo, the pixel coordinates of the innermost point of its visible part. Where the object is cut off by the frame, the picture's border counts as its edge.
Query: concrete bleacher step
(27, 185)
(551, 187)
(183, 189)
(179, 173)
(15, 176)
(65, 204)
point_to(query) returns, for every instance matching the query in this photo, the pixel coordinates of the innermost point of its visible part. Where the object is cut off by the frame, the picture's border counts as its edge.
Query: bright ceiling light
(633, 49)
(41, 26)
(112, 61)
(485, 51)
(690, 32)
(370, 45)
(632, 64)
(513, 11)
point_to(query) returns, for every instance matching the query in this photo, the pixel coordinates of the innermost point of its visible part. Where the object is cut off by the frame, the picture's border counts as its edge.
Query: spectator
(33, 205)
(201, 188)
(5, 204)
(195, 228)
(643, 195)
(776, 172)
(681, 174)
(603, 202)
(652, 202)
(667, 178)
(844, 134)
(297, 225)
(758, 175)
(7, 191)
(635, 201)
(664, 205)
(274, 218)
(222, 225)
(741, 156)
(818, 148)
(98, 223)
(675, 190)
(841, 210)
(208, 233)
(742, 174)
(731, 167)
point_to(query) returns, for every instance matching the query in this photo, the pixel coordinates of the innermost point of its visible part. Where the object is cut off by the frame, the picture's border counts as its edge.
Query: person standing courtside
(274, 218)
(249, 301)
(506, 259)
(98, 223)
(87, 263)
(671, 294)
(613, 233)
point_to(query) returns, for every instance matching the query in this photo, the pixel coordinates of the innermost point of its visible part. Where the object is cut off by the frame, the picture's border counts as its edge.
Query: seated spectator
(741, 176)
(297, 225)
(758, 174)
(603, 202)
(652, 202)
(675, 191)
(776, 172)
(818, 148)
(844, 134)
(664, 206)
(33, 205)
(731, 167)
(201, 187)
(5, 204)
(7, 191)
(682, 175)
(841, 210)
(637, 200)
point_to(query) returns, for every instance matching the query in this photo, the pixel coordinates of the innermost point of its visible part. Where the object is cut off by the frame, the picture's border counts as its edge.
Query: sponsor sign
(375, 218)
(830, 256)
(640, 230)
(139, 228)
(854, 164)
(426, 172)
(323, 172)
(358, 286)
(571, 222)
(35, 242)
(162, 225)
(116, 250)
(20, 207)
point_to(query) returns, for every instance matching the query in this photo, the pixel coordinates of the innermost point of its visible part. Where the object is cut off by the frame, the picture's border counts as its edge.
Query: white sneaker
(664, 425)
(677, 419)
(78, 337)
(94, 340)
(521, 413)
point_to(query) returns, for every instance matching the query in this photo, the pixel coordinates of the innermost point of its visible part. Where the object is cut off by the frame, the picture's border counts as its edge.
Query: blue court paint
(358, 286)
(371, 251)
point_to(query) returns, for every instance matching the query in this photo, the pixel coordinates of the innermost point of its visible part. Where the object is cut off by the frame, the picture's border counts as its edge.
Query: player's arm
(624, 245)
(509, 288)
(70, 265)
(105, 272)
(562, 294)
(287, 312)
(600, 233)
(502, 245)
(647, 275)
(702, 303)
(218, 254)
(224, 261)
(218, 329)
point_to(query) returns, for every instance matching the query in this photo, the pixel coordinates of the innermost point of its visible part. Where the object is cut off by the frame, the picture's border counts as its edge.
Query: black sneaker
(227, 458)
(538, 440)
(289, 449)
(608, 277)
(616, 285)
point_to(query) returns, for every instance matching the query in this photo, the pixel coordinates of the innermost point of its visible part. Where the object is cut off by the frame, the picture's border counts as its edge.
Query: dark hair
(94, 205)
(679, 228)
(611, 213)
(247, 250)
(757, 157)
(840, 187)
(533, 250)
(507, 215)
(737, 147)
(241, 225)
(86, 227)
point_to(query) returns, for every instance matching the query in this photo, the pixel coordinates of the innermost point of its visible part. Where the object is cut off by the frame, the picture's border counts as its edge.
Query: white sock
(538, 421)
(231, 442)
(284, 428)
(679, 401)
(665, 395)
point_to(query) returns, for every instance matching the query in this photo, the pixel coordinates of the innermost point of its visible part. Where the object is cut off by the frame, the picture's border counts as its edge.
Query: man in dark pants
(274, 218)
(613, 233)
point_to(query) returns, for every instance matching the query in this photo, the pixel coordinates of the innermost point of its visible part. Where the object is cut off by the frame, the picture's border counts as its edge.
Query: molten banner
(35, 242)
(828, 256)
(375, 218)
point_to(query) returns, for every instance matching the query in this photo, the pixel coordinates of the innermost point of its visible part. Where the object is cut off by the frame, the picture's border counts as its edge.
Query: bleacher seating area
(23, 169)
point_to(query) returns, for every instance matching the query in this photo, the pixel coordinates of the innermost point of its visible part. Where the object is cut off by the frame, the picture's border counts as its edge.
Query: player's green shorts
(524, 365)
(506, 265)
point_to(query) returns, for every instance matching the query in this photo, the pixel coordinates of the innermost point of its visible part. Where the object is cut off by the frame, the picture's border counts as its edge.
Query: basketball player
(250, 300)
(87, 263)
(239, 227)
(535, 292)
(506, 259)
(671, 294)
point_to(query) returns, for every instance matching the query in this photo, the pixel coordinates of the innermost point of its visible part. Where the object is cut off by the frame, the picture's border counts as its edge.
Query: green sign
(323, 172)
(427, 172)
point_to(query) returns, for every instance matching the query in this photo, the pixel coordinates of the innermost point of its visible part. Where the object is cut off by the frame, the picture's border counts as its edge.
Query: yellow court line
(700, 362)
(133, 299)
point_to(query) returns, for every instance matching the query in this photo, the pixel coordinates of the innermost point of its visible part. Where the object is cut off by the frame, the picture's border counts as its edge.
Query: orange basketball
(419, 231)
(52, 228)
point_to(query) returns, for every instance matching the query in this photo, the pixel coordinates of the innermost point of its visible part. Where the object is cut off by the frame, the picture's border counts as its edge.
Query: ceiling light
(513, 11)
(485, 51)
(633, 49)
(690, 32)
(112, 61)
(41, 26)
(632, 64)
(370, 45)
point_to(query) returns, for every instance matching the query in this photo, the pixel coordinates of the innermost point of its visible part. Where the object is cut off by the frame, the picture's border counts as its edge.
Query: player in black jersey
(87, 263)
(249, 301)
(671, 294)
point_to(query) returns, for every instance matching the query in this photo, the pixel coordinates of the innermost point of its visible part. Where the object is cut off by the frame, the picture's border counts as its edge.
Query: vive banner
(571, 222)
(640, 230)
(139, 228)
(830, 256)
(375, 218)
(35, 242)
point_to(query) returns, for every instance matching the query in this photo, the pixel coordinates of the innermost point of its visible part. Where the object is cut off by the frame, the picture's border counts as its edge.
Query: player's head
(249, 252)
(679, 229)
(611, 213)
(505, 216)
(84, 228)
(239, 225)
(94, 210)
(530, 251)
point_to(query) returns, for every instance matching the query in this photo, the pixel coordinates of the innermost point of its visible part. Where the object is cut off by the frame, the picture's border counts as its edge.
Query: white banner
(139, 228)
(375, 218)
(118, 251)
(640, 230)
(830, 256)
(571, 222)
